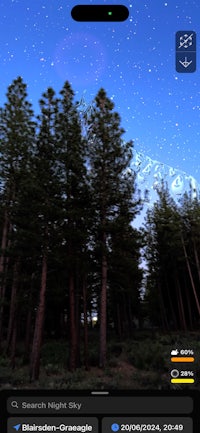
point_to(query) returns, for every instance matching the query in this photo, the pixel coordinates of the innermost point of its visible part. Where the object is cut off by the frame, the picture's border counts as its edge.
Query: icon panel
(185, 51)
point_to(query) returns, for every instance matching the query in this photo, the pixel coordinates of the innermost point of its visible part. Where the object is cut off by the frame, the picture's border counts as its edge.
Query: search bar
(97, 405)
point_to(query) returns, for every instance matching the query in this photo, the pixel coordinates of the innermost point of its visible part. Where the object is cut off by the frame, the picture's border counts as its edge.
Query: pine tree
(124, 276)
(47, 192)
(17, 135)
(109, 158)
(190, 222)
(167, 290)
(75, 194)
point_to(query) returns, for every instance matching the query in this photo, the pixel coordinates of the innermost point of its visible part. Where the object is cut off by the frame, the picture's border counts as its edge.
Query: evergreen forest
(86, 299)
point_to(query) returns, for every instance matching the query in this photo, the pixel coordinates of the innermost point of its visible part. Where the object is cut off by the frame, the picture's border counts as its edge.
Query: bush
(54, 352)
(148, 356)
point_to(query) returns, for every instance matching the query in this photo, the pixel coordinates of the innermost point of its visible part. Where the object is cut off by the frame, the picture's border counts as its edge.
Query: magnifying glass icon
(14, 404)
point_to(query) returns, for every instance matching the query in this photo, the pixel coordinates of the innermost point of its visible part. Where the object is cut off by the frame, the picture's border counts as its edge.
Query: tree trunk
(3, 269)
(196, 259)
(171, 305)
(124, 312)
(129, 316)
(13, 305)
(73, 333)
(39, 323)
(191, 277)
(4, 243)
(86, 362)
(28, 336)
(164, 320)
(103, 309)
(180, 305)
(2, 298)
(78, 320)
(13, 343)
(29, 321)
(119, 322)
(190, 318)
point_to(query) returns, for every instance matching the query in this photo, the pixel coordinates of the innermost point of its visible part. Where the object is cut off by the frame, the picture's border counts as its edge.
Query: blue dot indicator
(115, 427)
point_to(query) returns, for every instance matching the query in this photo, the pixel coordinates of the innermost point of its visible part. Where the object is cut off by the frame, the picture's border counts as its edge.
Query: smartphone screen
(100, 215)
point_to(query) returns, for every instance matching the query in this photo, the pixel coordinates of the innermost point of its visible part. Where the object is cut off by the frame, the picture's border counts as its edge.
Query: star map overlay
(133, 60)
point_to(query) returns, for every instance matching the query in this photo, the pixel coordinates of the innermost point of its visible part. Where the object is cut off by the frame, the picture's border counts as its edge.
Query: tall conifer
(17, 135)
(109, 158)
(75, 195)
(47, 212)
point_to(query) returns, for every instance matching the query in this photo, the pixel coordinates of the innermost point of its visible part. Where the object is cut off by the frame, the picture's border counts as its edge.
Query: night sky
(134, 61)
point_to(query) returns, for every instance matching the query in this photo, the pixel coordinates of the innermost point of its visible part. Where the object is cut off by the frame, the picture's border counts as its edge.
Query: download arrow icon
(185, 63)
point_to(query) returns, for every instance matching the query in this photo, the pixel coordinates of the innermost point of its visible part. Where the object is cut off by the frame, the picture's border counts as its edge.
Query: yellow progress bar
(182, 380)
(182, 359)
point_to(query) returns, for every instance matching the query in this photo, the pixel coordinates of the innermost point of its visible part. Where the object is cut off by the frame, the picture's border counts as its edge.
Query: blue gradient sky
(134, 61)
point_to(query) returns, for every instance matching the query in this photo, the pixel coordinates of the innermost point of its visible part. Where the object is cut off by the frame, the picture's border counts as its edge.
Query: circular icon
(115, 427)
(174, 373)
(14, 404)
